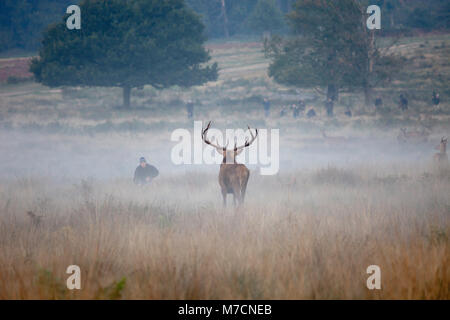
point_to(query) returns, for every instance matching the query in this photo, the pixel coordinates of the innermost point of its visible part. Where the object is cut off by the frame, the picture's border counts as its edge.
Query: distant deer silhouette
(441, 158)
(233, 177)
(35, 219)
(412, 136)
(333, 140)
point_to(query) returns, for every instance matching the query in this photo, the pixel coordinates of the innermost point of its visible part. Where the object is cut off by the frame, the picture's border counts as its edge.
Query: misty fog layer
(107, 156)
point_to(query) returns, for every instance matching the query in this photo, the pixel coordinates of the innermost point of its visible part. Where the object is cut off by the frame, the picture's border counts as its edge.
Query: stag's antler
(205, 139)
(247, 143)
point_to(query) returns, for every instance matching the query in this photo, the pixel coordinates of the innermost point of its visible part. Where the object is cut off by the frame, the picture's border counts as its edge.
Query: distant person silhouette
(311, 113)
(190, 109)
(144, 173)
(403, 104)
(329, 105)
(295, 111)
(348, 112)
(301, 105)
(436, 99)
(378, 102)
(266, 106)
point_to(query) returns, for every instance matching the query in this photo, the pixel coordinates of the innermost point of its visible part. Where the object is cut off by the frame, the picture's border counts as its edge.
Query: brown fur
(233, 179)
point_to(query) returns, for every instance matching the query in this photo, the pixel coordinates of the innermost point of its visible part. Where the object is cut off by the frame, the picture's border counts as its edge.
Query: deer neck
(224, 161)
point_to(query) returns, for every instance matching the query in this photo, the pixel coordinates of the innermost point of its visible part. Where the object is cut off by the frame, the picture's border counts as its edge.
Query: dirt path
(22, 93)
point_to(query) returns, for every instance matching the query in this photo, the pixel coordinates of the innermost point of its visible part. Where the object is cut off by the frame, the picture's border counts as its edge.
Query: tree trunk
(371, 51)
(368, 94)
(225, 19)
(332, 92)
(126, 96)
(370, 58)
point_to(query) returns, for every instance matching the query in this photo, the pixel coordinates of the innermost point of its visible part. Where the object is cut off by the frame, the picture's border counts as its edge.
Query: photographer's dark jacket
(142, 173)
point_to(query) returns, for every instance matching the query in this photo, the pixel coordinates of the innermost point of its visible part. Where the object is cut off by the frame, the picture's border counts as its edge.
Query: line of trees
(407, 15)
(22, 22)
(130, 44)
(398, 15)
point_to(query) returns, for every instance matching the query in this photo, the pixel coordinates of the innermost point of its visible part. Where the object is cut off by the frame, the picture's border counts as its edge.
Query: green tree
(410, 15)
(126, 44)
(332, 48)
(266, 17)
(224, 18)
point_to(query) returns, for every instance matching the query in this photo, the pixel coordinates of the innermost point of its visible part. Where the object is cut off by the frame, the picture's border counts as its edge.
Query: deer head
(229, 156)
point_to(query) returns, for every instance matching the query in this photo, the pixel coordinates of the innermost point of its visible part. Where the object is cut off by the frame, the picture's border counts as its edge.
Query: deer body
(233, 176)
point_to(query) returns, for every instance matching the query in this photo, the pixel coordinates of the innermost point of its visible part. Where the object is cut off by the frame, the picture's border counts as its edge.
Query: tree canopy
(126, 44)
(22, 21)
(331, 48)
(266, 16)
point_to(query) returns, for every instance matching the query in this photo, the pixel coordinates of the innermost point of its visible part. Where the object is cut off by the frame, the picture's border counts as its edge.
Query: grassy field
(234, 99)
(336, 206)
(311, 238)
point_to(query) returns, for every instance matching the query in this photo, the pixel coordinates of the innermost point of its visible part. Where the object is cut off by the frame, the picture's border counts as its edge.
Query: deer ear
(238, 152)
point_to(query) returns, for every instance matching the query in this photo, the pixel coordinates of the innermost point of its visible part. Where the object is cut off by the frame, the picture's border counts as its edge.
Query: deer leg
(224, 196)
(239, 200)
(243, 187)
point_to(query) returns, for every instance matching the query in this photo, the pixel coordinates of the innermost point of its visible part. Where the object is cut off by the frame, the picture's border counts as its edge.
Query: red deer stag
(233, 177)
(441, 158)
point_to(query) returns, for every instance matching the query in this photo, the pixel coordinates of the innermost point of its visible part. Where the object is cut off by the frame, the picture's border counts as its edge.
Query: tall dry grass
(300, 236)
